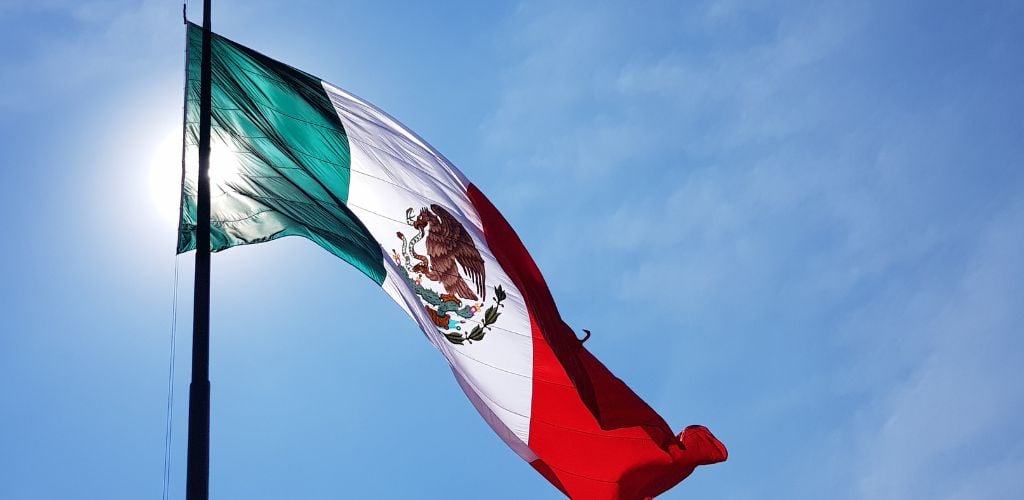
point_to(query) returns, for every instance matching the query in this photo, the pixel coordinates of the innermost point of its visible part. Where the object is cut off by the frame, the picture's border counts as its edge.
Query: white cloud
(951, 427)
(839, 241)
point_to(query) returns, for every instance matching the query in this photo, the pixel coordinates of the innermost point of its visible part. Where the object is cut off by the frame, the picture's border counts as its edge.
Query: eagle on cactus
(449, 247)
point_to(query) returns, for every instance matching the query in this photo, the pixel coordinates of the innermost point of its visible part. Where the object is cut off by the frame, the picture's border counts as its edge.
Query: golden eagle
(448, 243)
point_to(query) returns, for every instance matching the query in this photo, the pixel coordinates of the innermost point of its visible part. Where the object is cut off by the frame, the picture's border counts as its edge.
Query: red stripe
(595, 438)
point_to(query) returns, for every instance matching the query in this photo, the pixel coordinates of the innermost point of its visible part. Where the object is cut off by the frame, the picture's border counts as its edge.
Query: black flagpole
(197, 483)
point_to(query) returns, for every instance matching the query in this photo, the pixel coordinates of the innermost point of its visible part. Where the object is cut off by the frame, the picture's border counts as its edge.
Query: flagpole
(197, 483)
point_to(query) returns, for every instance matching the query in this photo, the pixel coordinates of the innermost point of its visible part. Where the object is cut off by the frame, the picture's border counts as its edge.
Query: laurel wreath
(478, 331)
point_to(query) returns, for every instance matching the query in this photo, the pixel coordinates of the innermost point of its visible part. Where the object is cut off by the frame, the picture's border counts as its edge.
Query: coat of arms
(450, 278)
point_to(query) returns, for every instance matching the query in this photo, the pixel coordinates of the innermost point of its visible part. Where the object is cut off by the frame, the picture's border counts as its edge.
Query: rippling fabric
(316, 160)
(280, 164)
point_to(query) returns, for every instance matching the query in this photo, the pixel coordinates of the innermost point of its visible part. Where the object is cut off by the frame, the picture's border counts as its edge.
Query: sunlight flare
(165, 173)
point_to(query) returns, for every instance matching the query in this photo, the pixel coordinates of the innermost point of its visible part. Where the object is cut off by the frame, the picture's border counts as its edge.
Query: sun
(165, 173)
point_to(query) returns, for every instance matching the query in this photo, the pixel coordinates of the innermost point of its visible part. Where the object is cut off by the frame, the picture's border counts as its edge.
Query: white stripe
(393, 170)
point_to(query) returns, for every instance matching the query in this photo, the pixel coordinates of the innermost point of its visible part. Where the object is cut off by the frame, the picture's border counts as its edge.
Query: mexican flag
(294, 155)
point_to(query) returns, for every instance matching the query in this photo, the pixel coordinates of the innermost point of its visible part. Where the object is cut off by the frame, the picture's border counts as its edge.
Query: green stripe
(293, 154)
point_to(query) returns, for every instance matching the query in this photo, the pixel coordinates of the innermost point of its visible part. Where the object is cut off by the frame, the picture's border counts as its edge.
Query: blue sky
(798, 223)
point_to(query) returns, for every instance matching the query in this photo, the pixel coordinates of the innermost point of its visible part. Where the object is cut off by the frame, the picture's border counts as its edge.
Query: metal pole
(197, 483)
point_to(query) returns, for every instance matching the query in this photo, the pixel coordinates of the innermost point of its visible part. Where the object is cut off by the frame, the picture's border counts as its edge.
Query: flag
(294, 155)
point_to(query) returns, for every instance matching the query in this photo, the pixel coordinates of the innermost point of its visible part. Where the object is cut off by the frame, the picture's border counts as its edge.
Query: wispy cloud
(950, 426)
(807, 184)
(105, 38)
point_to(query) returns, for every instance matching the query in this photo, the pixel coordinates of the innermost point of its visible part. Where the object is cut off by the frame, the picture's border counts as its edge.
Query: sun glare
(165, 174)
(165, 178)
(223, 166)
